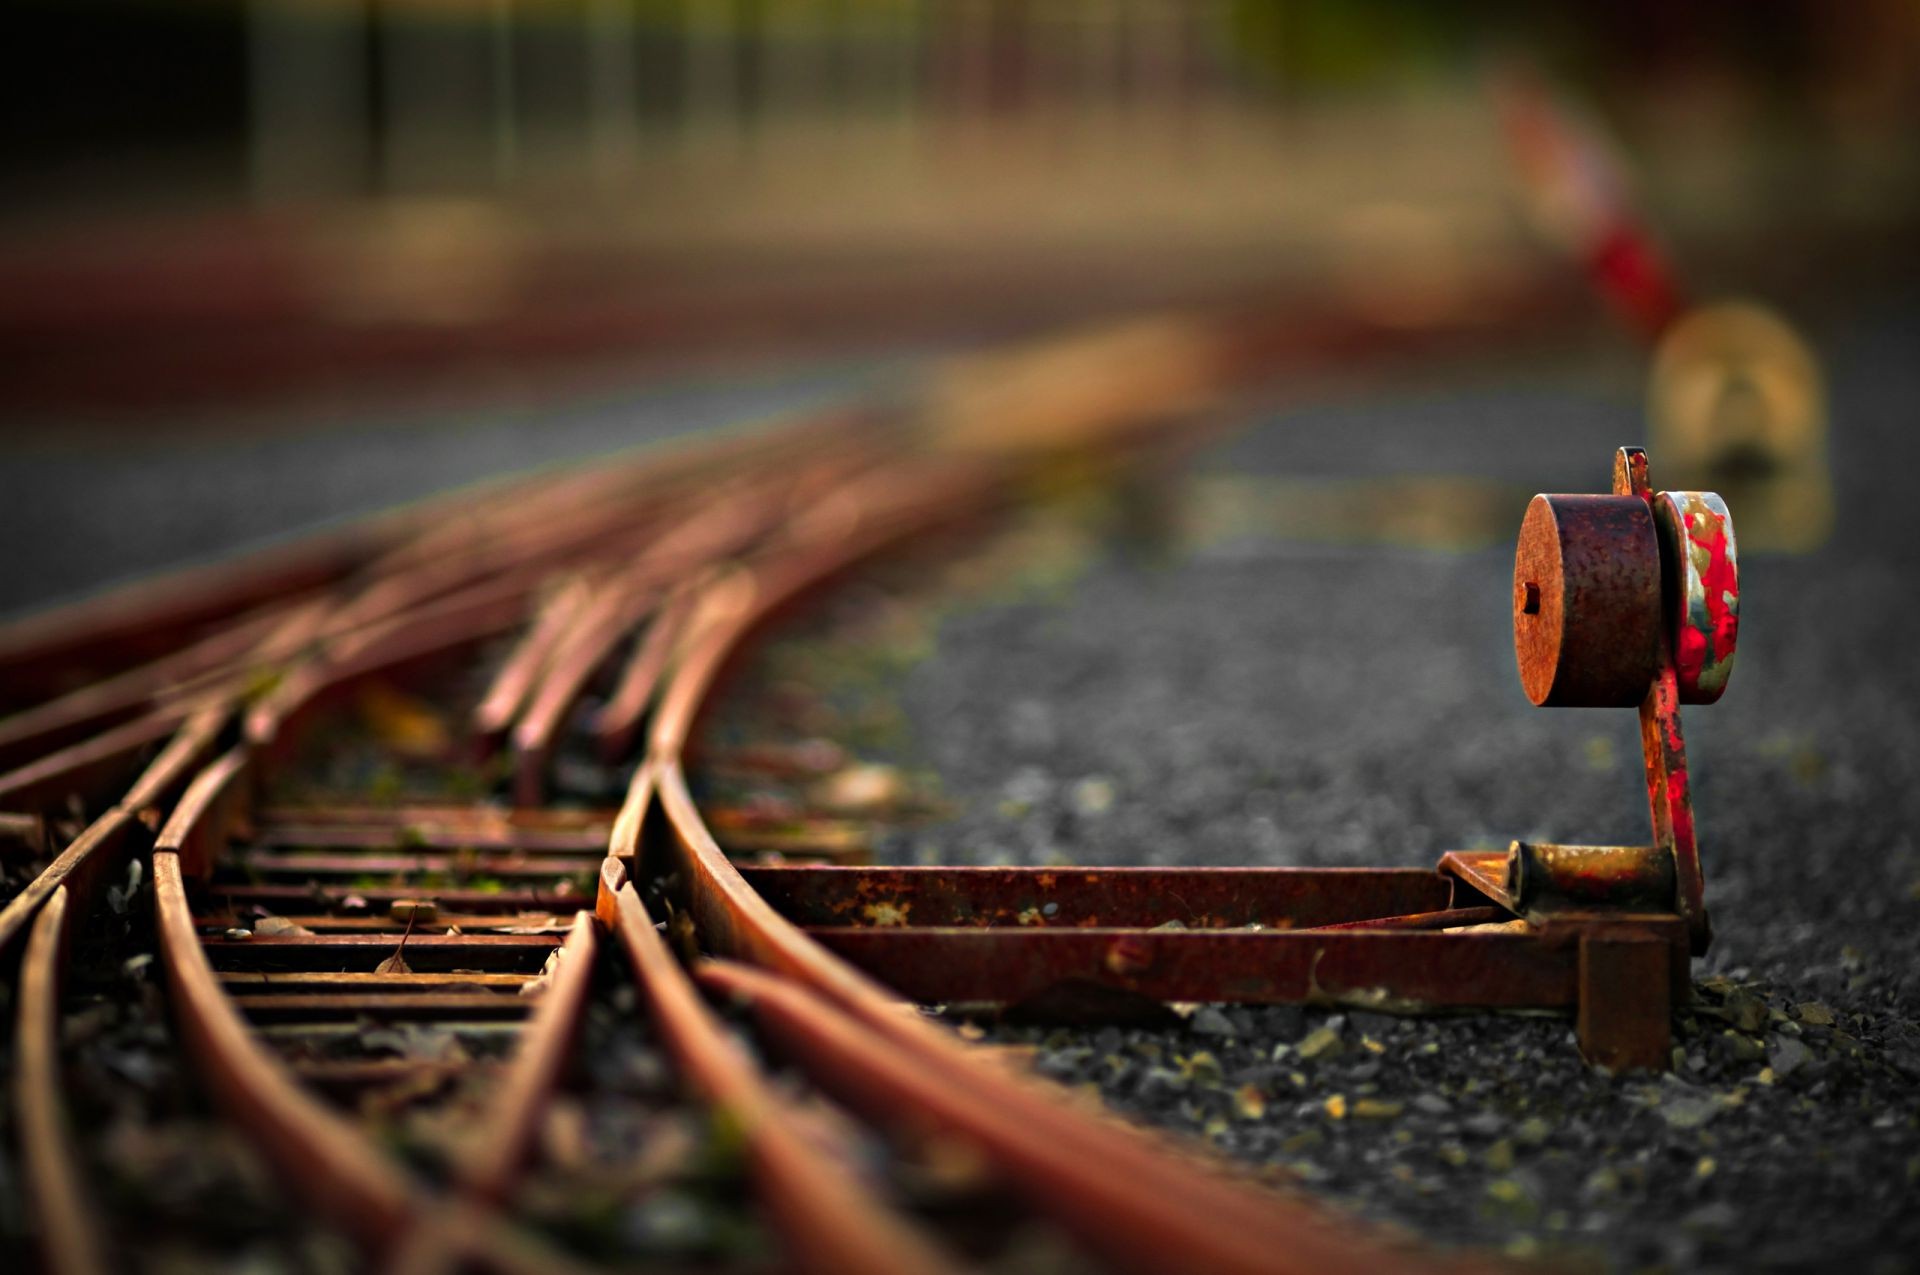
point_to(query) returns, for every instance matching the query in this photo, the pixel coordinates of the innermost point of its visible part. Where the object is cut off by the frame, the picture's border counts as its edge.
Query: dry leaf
(397, 963)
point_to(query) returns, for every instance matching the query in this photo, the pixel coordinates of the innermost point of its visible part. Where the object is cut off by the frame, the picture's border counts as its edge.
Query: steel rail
(1043, 1146)
(1119, 1191)
(56, 1183)
(795, 511)
(831, 1222)
(512, 1120)
(351, 1180)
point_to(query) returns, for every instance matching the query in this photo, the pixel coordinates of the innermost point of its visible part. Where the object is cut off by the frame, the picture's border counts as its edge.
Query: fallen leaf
(397, 963)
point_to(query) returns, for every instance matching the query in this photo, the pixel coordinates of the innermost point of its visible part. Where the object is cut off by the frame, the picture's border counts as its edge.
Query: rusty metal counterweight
(648, 578)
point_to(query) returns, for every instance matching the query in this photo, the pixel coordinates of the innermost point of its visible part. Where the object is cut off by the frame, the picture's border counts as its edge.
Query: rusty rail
(647, 580)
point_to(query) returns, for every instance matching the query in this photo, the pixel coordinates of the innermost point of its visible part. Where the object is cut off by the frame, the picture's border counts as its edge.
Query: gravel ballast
(1263, 701)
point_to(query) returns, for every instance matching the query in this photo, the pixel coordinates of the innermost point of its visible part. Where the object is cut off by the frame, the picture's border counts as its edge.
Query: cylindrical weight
(1572, 878)
(1587, 601)
(1703, 590)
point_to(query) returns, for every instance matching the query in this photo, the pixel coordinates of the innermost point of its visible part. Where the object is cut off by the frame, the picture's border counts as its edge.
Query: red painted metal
(1696, 537)
(1669, 794)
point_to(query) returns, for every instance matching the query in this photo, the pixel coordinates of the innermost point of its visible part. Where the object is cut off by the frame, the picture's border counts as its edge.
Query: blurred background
(267, 265)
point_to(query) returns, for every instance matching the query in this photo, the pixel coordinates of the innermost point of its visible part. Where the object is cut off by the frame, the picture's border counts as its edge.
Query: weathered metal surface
(369, 983)
(1197, 898)
(1129, 1201)
(87, 710)
(1587, 603)
(218, 798)
(1111, 1185)
(1387, 969)
(618, 724)
(516, 677)
(364, 951)
(478, 820)
(476, 835)
(578, 655)
(1543, 877)
(1624, 1015)
(155, 618)
(1663, 746)
(176, 764)
(512, 1122)
(1444, 919)
(289, 1006)
(537, 896)
(105, 839)
(1703, 590)
(69, 1239)
(96, 771)
(831, 1222)
(1483, 872)
(320, 864)
(730, 541)
(386, 923)
(340, 1172)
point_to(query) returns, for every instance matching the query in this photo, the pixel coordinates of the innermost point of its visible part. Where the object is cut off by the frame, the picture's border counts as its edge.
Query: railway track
(413, 804)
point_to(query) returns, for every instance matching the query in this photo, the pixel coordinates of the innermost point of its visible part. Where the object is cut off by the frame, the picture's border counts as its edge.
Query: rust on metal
(1140, 1224)
(343, 1174)
(1544, 877)
(1625, 1005)
(1196, 898)
(1587, 609)
(69, 1237)
(832, 1222)
(1392, 968)
(521, 1101)
(1663, 746)
(678, 564)
(104, 840)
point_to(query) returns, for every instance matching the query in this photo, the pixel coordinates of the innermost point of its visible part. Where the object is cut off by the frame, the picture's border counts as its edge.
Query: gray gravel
(1264, 702)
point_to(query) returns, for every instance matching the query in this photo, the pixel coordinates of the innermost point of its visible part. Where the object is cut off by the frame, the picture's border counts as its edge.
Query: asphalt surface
(1254, 699)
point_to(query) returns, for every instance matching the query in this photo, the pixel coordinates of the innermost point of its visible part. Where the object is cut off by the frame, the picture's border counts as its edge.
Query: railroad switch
(1623, 600)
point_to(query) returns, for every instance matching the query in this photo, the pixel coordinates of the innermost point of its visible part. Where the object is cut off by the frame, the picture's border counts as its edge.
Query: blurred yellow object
(1077, 392)
(423, 262)
(405, 723)
(1737, 405)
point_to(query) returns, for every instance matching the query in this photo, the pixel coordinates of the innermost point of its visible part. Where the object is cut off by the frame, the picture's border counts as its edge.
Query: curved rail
(69, 1232)
(678, 564)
